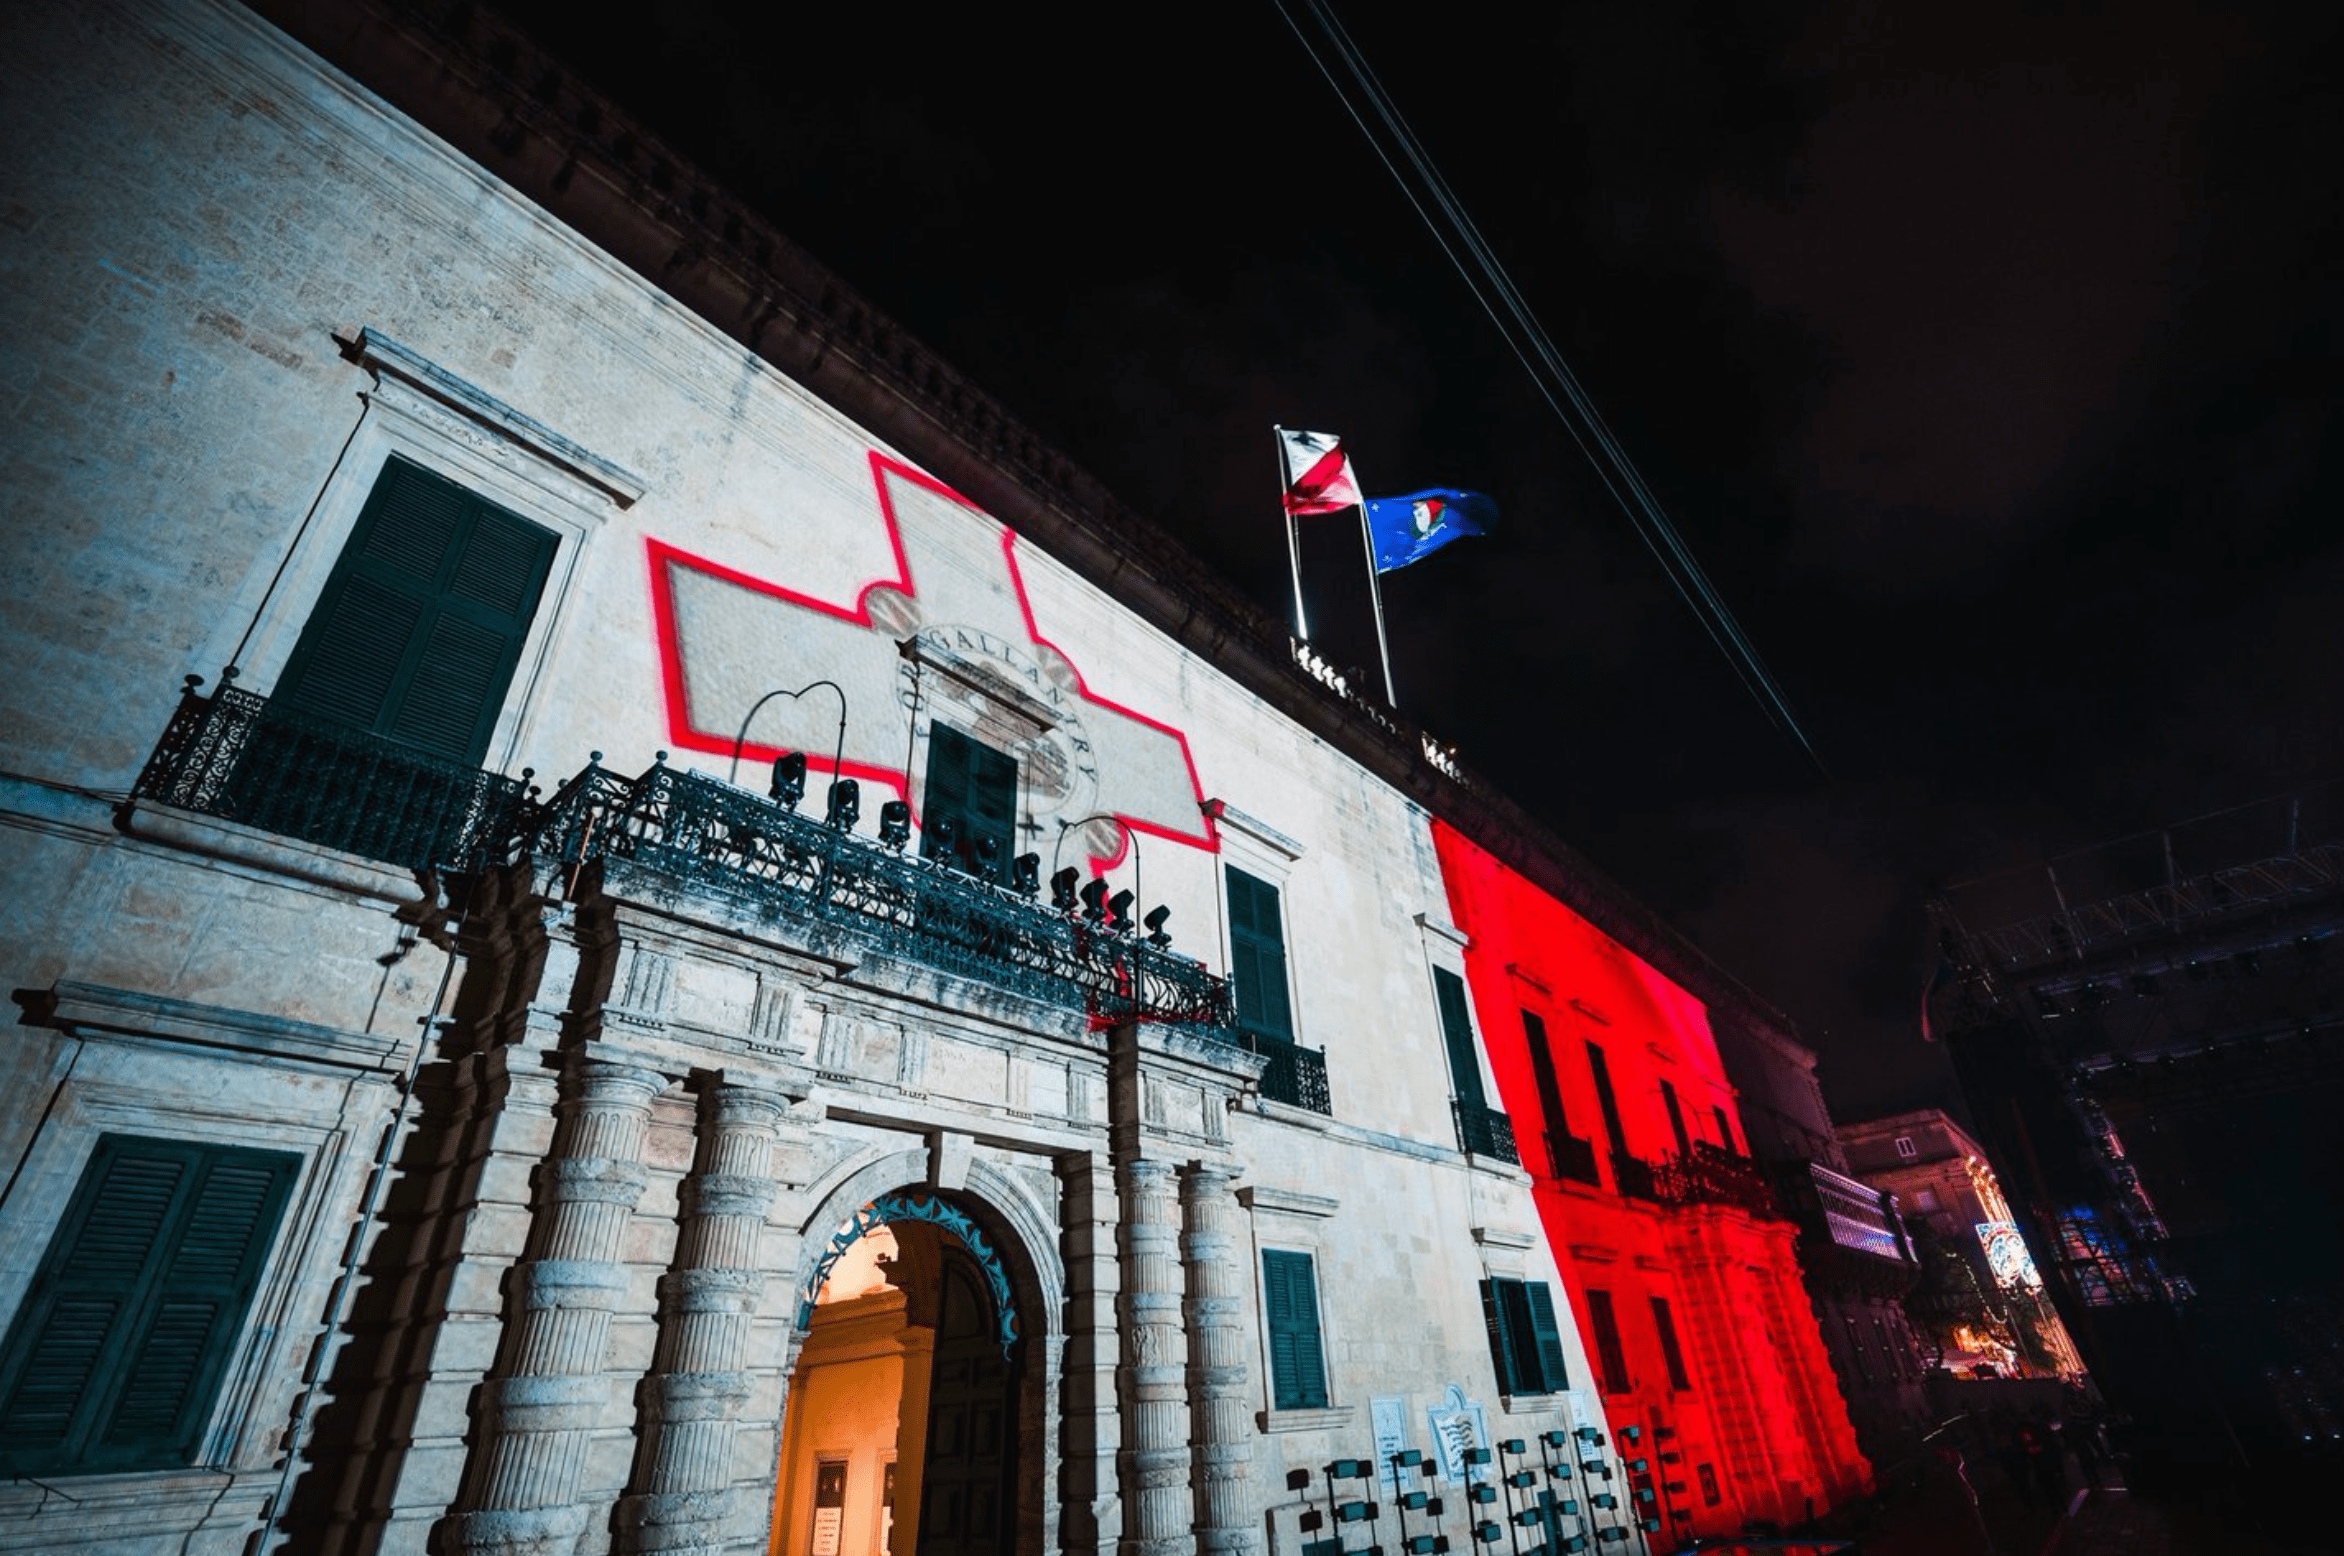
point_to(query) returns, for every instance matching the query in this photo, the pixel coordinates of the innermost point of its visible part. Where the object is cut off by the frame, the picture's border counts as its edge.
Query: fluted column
(1158, 1507)
(1217, 1393)
(538, 1413)
(681, 1493)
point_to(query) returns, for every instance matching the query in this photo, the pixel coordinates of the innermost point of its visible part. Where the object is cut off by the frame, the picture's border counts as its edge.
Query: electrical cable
(1486, 278)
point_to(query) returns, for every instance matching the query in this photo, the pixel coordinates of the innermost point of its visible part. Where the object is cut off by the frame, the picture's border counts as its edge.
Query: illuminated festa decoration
(2007, 1256)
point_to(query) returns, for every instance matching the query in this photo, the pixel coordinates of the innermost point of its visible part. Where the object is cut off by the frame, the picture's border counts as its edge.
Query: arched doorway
(900, 1436)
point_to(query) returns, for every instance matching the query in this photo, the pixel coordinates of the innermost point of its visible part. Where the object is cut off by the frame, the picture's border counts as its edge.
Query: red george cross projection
(949, 637)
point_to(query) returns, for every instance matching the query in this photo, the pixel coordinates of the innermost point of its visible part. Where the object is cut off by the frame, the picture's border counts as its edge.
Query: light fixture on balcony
(789, 780)
(1094, 901)
(837, 752)
(1062, 888)
(1158, 935)
(895, 823)
(1025, 875)
(1119, 912)
(846, 804)
(988, 859)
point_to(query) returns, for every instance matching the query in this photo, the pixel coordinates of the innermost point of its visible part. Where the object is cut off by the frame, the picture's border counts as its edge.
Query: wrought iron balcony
(741, 845)
(1710, 1176)
(1483, 1131)
(1632, 1176)
(236, 756)
(1572, 1157)
(1297, 1076)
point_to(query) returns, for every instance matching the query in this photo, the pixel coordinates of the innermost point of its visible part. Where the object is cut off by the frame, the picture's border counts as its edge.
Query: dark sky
(1987, 356)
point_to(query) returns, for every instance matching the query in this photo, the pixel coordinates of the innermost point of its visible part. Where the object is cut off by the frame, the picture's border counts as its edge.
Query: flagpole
(1375, 590)
(1293, 545)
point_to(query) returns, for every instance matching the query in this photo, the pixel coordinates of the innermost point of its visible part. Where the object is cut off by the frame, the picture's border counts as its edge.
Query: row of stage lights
(1068, 895)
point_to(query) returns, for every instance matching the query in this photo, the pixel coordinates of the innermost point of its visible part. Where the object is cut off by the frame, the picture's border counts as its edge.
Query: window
(1725, 1130)
(970, 801)
(1609, 1102)
(418, 630)
(1257, 957)
(1905, 1147)
(1542, 1069)
(1925, 1198)
(1457, 1032)
(116, 1356)
(1611, 1358)
(1676, 1119)
(1298, 1371)
(1710, 1495)
(1671, 1352)
(1525, 1342)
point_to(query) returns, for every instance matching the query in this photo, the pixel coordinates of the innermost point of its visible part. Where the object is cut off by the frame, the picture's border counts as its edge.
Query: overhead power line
(1453, 228)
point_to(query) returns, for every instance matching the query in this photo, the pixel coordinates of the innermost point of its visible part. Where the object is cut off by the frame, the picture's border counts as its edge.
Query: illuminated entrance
(900, 1436)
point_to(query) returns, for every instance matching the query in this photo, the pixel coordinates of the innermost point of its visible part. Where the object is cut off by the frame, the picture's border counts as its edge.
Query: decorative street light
(838, 753)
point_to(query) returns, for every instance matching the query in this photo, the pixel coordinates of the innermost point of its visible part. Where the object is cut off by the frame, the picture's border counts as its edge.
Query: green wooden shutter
(1605, 1098)
(1457, 1032)
(976, 787)
(417, 632)
(1676, 1118)
(1499, 1319)
(1542, 1068)
(1257, 956)
(1548, 1335)
(116, 1355)
(1298, 1372)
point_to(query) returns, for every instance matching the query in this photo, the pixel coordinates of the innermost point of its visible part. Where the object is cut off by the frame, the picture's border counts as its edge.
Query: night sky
(1986, 356)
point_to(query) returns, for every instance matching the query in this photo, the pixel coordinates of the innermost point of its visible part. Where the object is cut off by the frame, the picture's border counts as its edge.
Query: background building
(1991, 1312)
(449, 1112)
(1854, 1253)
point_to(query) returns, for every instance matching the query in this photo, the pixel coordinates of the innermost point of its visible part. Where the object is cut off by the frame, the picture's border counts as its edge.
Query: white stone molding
(1261, 1199)
(85, 1008)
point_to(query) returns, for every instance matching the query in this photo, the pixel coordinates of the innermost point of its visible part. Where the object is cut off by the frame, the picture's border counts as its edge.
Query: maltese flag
(1318, 473)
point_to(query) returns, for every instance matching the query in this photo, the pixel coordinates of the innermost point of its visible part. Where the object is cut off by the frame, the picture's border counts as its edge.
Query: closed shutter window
(1257, 957)
(1298, 1373)
(1611, 1358)
(116, 1356)
(420, 627)
(1457, 1033)
(1671, 1352)
(1525, 1342)
(972, 787)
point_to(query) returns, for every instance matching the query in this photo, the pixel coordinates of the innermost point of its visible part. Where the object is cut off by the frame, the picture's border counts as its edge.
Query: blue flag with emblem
(1408, 529)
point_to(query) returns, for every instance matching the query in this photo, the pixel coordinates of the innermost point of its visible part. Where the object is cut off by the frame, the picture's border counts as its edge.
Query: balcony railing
(1297, 1076)
(1710, 1176)
(734, 843)
(236, 756)
(1484, 1131)
(1572, 1158)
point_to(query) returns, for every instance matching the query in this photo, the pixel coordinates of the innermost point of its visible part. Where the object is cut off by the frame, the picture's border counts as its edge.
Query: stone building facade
(582, 842)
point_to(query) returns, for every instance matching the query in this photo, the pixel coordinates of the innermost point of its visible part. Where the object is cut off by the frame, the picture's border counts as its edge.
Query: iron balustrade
(1572, 1157)
(1297, 1076)
(734, 843)
(1709, 1176)
(237, 756)
(1484, 1131)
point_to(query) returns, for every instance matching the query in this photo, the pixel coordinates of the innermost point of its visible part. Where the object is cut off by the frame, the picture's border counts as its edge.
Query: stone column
(681, 1496)
(550, 1392)
(1217, 1333)
(1158, 1507)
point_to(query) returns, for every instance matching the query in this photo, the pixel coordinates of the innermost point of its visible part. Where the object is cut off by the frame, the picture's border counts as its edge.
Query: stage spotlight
(1158, 935)
(846, 804)
(1094, 901)
(943, 840)
(1025, 875)
(1062, 887)
(1119, 912)
(988, 859)
(789, 779)
(895, 823)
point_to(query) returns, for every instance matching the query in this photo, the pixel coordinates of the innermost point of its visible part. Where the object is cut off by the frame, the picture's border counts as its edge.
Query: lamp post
(838, 753)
